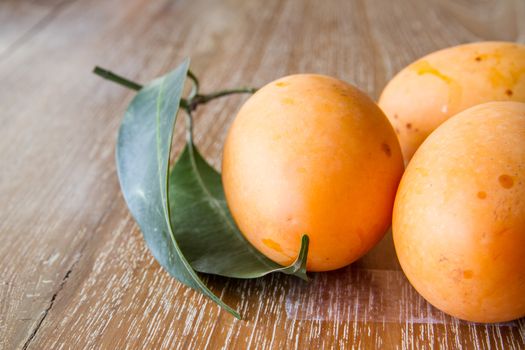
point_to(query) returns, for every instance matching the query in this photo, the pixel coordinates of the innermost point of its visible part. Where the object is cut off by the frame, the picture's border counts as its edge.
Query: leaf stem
(204, 98)
(195, 99)
(196, 85)
(189, 127)
(106, 74)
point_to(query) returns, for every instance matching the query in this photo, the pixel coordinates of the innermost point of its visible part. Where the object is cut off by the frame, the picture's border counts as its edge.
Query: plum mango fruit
(310, 154)
(434, 88)
(459, 215)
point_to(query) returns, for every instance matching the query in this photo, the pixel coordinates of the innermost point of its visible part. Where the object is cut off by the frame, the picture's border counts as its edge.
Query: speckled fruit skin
(431, 90)
(459, 215)
(310, 154)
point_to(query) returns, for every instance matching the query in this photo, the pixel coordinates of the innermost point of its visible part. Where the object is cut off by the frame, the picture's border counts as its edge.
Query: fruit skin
(459, 215)
(310, 154)
(431, 90)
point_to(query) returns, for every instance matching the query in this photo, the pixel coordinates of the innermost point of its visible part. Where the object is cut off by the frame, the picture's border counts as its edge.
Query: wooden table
(74, 270)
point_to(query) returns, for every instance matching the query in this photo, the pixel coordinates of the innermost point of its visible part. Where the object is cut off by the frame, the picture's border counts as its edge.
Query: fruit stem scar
(386, 148)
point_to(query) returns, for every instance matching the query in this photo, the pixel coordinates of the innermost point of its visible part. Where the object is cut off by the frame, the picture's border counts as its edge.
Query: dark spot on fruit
(443, 259)
(395, 116)
(397, 131)
(409, 126)
(506, 181)
(508, 92)
(416, 129)
(482, 195)
(386, 148)
(501, 232)
(467, 274)
(478, 58)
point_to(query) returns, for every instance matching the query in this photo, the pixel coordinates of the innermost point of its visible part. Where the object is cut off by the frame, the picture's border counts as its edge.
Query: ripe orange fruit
(310, 154)
(459, 215)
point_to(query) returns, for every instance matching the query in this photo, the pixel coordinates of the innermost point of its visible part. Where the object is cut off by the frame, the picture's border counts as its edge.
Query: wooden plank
(57, 142)
(74, 271)
(21, 19)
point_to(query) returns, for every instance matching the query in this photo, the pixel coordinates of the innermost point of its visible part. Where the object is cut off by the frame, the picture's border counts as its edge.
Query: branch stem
(106, 74)
(204, 98)
(195, 99)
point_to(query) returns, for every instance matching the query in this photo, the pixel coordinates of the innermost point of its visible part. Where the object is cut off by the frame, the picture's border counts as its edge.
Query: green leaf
(143, 148)
(204, 228)
(186, 223)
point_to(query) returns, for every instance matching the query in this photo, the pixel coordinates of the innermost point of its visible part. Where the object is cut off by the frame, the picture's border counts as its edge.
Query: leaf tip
(304, 277)
(300, 262)
(186, 61)
(230, 310)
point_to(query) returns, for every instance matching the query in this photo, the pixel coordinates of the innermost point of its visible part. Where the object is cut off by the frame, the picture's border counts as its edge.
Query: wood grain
(74, 271)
